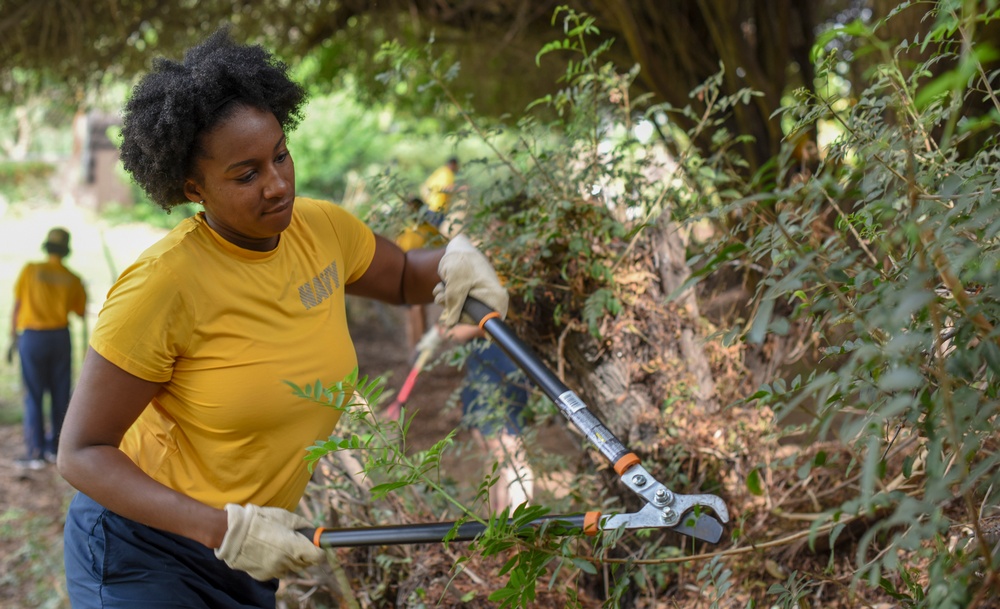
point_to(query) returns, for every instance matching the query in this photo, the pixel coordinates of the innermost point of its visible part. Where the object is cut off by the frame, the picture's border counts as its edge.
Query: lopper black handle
(475, 309)
(434, 532)
(568, 402)
(522, 355)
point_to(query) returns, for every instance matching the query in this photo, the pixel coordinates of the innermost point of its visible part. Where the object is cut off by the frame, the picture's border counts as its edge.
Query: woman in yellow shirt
(184, 441)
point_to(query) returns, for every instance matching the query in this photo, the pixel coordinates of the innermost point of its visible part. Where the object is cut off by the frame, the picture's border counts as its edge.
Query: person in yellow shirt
(182, 437)
(417, 231)
(44, 295)
(437, 191)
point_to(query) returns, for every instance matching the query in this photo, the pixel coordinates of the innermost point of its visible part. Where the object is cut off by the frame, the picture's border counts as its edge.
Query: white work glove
(262, 541)
(430, 341)
(465, 272)
(12, 350)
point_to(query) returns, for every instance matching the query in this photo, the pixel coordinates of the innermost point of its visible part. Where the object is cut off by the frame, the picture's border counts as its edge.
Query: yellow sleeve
(144, 324)
(357, 240)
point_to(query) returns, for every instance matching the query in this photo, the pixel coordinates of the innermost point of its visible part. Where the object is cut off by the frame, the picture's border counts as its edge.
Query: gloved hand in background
(12, 350)
(263, 542)
(430, 341)
(465, 272)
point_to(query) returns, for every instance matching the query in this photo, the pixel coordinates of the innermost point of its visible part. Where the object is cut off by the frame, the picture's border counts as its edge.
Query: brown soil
(32, 504)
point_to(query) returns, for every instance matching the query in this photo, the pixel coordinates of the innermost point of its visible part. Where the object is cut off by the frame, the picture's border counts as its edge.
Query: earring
(202, 202)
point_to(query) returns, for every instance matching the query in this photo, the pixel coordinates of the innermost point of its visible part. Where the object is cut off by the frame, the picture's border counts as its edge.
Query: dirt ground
(33, 503)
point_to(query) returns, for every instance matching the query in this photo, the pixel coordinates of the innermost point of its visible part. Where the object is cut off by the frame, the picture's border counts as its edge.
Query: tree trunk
(649, 354)
(674, 272)
(761, 44)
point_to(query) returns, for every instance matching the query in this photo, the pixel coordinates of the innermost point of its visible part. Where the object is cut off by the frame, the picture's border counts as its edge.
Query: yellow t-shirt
(434, 190)
(222, 328)
(47, 293)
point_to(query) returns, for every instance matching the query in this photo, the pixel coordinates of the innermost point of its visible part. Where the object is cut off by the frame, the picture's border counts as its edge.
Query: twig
(734, 551)
(957, 195)
(561, 349)
(465, 570)
(854, 231)
(967, 43)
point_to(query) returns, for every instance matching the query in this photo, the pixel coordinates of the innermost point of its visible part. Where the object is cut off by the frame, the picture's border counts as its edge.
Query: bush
(23, 179)
(883, 261)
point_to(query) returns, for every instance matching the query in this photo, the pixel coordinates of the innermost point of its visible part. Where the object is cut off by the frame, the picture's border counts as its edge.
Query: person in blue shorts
(494, 394)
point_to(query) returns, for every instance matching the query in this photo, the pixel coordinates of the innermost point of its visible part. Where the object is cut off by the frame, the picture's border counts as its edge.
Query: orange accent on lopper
(590, 522)
(486, 318)
(625, 463)
(316, 535)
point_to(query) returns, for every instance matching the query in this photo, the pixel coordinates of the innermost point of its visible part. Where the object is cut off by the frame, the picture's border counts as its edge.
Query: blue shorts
(434, 218)
(495, 391)
(114, 562)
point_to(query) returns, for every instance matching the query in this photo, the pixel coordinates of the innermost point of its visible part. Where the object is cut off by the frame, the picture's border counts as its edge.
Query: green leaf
(804, 470)
(502, 594)
(758, 328)
(908, 466)
(585, 565)
(820, 459)
(855, 28)
(380, 490)
(900, 379)
(555, 45)
(725, 254)
(754, 483)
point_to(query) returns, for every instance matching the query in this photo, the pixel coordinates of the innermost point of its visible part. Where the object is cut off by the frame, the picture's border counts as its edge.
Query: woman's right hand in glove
(263, 541)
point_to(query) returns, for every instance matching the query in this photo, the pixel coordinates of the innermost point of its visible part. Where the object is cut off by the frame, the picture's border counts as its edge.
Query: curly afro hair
(176, 103)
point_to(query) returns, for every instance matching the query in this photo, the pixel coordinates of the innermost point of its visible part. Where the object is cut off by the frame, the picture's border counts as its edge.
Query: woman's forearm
(109, 477)
(106, 402)
(420, 275)
(399, 277)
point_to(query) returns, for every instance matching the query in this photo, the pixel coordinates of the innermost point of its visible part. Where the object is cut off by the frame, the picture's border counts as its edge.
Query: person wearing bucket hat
(183, 438)
(45, 293)
(57, 242)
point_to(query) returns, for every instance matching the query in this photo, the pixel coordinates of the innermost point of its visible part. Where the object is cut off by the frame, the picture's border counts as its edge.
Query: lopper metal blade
(701, 526)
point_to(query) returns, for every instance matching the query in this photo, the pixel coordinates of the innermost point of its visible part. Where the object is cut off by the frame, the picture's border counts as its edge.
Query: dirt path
(32, 504)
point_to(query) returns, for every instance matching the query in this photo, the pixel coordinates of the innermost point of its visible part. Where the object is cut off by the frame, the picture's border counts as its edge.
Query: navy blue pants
(116, 563)
(495, 390)
(47, 367)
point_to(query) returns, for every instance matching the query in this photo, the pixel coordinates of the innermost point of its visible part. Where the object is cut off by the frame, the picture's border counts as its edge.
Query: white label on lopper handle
(571, 402)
